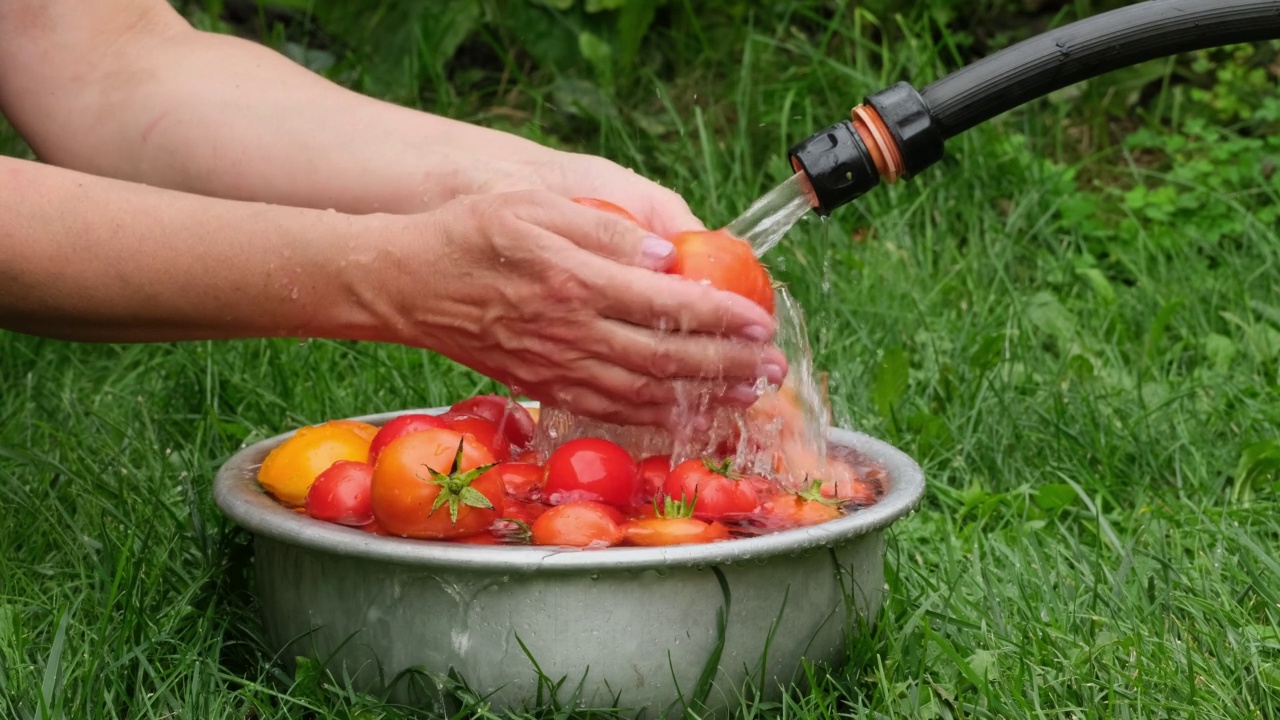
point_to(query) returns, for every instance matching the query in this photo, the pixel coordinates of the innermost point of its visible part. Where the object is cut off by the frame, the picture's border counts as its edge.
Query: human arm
(528, 288)
(128, 89)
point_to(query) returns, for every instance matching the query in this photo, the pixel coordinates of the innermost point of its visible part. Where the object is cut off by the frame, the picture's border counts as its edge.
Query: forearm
(87, 258)
(174, 107)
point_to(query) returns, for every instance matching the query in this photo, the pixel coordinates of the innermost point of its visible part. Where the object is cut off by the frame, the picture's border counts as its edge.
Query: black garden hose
(898, 131)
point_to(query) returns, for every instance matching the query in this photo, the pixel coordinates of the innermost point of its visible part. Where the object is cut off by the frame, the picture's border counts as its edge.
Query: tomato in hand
(398, 426)
(522, 481)
(578, 524)
(725, 262)
(606, 206)
(483, 430)
(511, 418)
(591, 469)
(653, 473)
(292, 466)
(341, 494)
(436, 484)
(721, 494)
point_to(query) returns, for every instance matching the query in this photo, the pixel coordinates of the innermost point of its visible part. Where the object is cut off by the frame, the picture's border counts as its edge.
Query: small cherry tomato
(653, 473)
(511, 418)
(341, 494)
(398, 426)
(591, 469)
(436, 484)
(523, 511)
(721, 494)
(786, 510)
(485, 431)
(289, 469)
(578, 524)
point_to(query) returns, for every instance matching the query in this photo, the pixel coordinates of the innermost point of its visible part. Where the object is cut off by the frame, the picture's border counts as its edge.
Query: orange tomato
(578, 524)
(788, 511)
(725, 262)
(436, 484)
(292, 466)
(673, 531)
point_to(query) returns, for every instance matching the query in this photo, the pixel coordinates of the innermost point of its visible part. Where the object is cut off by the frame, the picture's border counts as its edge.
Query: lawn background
(1073, 322)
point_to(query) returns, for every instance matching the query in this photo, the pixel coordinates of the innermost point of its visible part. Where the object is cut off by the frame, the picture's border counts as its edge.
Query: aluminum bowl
(625, 627)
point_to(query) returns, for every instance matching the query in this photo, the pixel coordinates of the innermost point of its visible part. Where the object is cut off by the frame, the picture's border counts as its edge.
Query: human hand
(561, 302)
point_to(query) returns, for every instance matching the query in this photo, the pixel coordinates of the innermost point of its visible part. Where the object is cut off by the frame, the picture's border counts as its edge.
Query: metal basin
(625, 627)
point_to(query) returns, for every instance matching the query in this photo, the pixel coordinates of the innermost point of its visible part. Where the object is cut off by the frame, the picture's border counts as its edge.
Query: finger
(599, 232)
(634, 387)
(664, 211)
(591, 403)
(659, 300)
(674, 355)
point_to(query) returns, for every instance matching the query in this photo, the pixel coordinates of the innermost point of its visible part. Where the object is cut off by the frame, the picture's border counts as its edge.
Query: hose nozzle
(890, 136)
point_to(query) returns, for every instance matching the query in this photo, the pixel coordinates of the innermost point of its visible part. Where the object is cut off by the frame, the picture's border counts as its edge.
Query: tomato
(721, 494)
(591, 469)
(289, 469)
(787, 510)
(530, 457)
(436, 484)
(724, 261)
(653, 473)
(606, 206)
(484, 431)
(520, 480)
(511, 418)
(341, 494)
(523, 511)
(363, 429)
(673, 531)
(398, 426)
(578, 524)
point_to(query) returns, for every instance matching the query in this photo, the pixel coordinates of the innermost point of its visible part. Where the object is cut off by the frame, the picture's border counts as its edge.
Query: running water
(784, 434)
(764, 224)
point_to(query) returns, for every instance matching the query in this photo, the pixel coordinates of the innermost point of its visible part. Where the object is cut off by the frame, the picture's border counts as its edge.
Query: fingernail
(757, 333)
(656, 252)
(743, 394)
(773, 373)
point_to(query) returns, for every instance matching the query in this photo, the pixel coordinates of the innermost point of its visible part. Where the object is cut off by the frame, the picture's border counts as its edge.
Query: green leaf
(1054, 496)
(1259, 463)
(1100, 284)
(1221, 351)
(599, 54)
(474, 498)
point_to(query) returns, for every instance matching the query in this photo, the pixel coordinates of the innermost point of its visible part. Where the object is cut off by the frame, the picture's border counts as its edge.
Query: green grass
(1089, 373)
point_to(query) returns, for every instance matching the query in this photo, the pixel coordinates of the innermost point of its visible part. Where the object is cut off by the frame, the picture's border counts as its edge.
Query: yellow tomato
(363, 429)
(289, 469)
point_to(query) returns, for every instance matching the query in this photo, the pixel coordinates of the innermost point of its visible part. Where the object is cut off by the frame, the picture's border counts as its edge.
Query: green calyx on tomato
(675, 509)
(455, 487)
(814, 493)
(723, 468)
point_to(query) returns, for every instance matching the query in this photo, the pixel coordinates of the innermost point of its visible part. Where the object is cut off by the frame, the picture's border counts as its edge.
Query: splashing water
(768, 219)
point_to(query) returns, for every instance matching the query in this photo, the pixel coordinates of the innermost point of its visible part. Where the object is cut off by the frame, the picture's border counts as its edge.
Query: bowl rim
(239, 496)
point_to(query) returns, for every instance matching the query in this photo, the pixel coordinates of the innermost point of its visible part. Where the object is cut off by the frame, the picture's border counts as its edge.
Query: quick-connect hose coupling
(891, 136)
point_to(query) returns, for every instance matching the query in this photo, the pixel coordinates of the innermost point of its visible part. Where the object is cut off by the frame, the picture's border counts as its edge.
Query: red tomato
(398, 426)
(578, 524)
(511, 418)
(724, 261)
(720, 493)
(522, 481)
(528, 456)
(341, 494)
(606, 206)
(485, 431)
(523, 511)
(673, 531)
(653, 473)
(840, 481)
(592, 469)
(436, 484)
